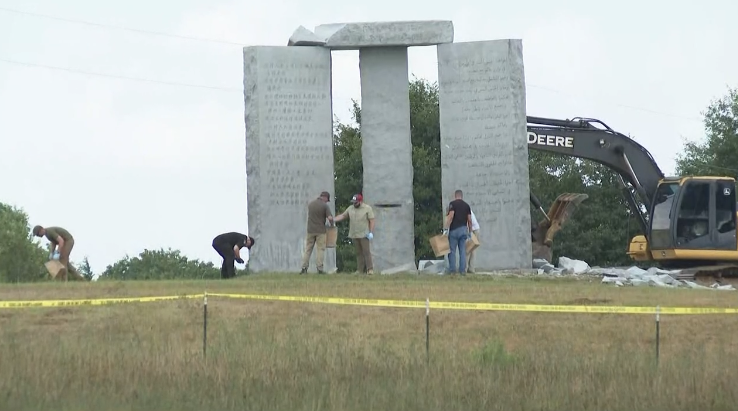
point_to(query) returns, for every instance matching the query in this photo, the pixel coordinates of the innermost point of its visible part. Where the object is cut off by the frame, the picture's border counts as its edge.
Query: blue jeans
(457, 239)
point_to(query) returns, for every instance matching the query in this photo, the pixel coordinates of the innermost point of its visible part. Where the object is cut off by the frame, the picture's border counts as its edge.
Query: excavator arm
(638, 173)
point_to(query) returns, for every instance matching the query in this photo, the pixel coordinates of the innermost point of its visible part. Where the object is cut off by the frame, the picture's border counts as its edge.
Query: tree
(21, 258)
(159, 265)
(85, 269)
(717, 153)
(348, 181)
(425, 134)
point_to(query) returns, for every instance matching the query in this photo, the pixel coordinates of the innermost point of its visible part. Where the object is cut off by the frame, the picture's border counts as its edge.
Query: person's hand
(444, 231)
(56, 255)
(239, 260)
(370, 236)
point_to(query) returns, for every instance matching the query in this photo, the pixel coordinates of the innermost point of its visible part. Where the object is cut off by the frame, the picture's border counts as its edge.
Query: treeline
(22, 258)
(599, 232)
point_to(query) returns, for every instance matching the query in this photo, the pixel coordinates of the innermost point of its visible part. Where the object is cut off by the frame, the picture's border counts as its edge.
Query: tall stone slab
(289, 150)
(483, 145)
(386, 152)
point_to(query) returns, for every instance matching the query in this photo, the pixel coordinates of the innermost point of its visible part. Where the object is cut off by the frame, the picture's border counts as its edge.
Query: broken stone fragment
(575, 266)
(304, 37)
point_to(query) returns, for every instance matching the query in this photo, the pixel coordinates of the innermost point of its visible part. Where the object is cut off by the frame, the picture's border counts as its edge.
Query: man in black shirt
(229, 246)
(458, 227)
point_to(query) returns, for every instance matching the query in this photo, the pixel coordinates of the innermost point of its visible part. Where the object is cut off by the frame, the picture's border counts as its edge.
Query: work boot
(303, 271)
(370, 272)
(320, 271)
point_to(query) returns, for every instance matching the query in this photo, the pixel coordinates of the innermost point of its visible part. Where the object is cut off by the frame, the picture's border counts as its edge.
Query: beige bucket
(331, 235)
(53, 267)
(439, 244)
(472, 243)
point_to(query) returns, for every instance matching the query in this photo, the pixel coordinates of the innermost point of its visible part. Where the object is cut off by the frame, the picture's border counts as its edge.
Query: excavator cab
(692, 219)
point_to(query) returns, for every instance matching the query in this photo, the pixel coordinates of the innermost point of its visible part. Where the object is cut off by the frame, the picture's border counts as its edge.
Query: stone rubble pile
(620, 276)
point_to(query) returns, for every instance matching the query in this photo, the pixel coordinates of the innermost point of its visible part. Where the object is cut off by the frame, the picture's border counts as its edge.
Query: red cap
(357, 198)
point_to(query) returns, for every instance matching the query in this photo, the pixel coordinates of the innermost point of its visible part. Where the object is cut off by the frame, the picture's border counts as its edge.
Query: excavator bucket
(543, 232)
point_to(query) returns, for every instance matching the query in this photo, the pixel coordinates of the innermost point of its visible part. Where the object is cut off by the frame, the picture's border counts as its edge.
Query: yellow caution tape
(488, 306)
(96, 301)
(327, 300)
(388, 303)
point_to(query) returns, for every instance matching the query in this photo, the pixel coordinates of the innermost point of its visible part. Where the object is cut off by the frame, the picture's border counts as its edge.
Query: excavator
(689, 222)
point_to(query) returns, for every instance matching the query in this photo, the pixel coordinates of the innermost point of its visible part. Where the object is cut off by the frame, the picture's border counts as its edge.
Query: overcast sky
(94, 140)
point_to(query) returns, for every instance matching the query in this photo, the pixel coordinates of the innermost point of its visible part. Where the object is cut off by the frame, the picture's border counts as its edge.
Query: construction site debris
(620, 276)
(617, 276)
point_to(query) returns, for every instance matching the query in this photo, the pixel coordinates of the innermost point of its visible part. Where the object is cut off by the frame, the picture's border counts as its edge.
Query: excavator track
(718, 272)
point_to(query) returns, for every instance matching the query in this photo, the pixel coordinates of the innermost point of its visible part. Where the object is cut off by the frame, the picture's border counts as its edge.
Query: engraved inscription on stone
(290, 148)
(483, 145)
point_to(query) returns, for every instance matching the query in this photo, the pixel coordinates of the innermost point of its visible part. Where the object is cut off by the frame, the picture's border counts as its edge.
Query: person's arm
(341, 217)
(329, 215)
(469, 222)
(449, 218)
(370, 215)
(237, 248)
(60, 242)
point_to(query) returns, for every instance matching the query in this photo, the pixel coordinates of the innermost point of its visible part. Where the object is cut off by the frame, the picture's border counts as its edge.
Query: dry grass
(265, 355)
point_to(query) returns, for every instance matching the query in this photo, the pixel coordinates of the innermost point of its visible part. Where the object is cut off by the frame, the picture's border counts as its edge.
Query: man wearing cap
(318, 212)
(61, 239)
(361, 231)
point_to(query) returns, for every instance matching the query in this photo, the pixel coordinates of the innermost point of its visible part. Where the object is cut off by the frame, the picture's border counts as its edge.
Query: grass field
(270, 355)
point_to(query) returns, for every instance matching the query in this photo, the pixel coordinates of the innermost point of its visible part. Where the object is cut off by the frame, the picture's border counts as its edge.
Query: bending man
(61, 239)
(229, 246)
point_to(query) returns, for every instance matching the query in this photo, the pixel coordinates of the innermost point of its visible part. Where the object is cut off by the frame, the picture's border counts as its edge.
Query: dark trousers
(228, 268)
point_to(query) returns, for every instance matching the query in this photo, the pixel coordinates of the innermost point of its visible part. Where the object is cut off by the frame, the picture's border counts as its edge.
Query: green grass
(271, 355)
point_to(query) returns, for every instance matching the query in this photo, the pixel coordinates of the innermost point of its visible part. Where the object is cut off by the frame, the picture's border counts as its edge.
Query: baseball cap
(357, 198)
(326, 195)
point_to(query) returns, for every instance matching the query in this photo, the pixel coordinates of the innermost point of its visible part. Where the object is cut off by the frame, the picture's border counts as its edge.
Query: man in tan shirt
(318, 212)
(361, 231)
